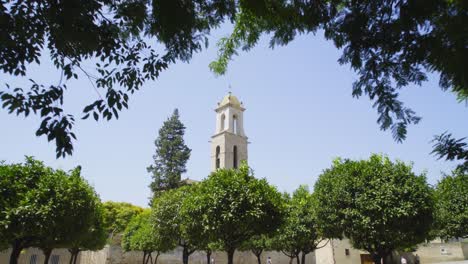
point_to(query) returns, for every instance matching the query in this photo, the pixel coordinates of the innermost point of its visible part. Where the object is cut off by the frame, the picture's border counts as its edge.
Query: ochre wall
(115, 255)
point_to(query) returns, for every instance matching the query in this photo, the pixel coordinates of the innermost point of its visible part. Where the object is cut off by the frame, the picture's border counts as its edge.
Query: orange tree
(230, 207)
(380, 205)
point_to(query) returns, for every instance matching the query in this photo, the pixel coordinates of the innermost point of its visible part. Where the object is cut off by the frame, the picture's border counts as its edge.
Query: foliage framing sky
(300, 116)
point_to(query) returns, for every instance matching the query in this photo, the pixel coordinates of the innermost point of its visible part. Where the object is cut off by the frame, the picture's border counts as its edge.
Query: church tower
(229, 143)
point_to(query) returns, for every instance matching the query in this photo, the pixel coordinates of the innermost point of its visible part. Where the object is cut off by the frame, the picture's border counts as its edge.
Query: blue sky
(300, 116)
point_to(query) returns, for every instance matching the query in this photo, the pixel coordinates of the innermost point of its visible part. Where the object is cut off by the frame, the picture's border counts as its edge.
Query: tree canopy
(171, 155)
(390, 44)
(117, 215)
(109, 35)
(378, 204)
(41, 207)
(169, 222)
(94, 238)
(70, 198)
(232, 206)
(300, 232)
(140, 236)
(452, 206)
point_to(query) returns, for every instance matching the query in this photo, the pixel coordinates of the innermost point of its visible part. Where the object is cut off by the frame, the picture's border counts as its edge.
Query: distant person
(268, 260)
(403, 260)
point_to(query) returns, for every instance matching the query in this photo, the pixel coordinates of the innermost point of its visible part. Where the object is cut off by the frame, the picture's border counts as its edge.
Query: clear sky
(300, 116)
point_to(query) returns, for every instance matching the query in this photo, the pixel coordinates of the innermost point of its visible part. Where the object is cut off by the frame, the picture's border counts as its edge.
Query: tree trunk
(47, 252)
(303, 257)
(230, 253)
(156, 258)
(259, 259)
(376, 258)
(148, 258)
(385, 259)
(144, 257)
(208, 257)
(15, 252)
(298, 260)
(258, 254)
(75, 257)
(380, 257)
(185, 255)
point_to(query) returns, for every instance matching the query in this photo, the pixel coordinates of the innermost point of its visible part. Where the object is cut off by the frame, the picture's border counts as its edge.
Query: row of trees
(46, 208)
(380, 205)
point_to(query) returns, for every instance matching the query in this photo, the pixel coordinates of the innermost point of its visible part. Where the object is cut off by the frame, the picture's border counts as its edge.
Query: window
(444, 251)
(346, 251)
(223, 122)
(33, 259)
(234, 165)
(234, 125)
(54, 259)
(217, 157)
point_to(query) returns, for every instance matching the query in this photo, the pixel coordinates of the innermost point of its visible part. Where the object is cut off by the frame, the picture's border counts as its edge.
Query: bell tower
(229, 143)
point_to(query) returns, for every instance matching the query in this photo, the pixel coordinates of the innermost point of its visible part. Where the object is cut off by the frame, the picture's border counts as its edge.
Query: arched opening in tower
(223, 122)
(218, 150)
(234, 154)
(235, 124)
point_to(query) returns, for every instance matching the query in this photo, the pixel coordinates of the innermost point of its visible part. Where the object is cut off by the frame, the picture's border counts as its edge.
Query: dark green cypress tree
(170, 157)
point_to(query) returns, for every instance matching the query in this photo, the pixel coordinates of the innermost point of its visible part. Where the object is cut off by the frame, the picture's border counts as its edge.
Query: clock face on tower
(229, 143)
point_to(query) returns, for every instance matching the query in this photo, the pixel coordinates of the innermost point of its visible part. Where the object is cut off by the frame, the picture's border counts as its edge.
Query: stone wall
(199, 257)
(442, 252)
(333, 252)
(115, 255)
(27, 256)
(341, 252)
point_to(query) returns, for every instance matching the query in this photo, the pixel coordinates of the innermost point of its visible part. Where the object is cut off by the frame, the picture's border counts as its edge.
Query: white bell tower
(229, 143)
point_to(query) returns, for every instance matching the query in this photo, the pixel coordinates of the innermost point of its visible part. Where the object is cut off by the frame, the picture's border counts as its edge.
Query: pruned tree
(42, 205)
(71, 198)
(194, 232)
(380, 205)
(232, 206)
(94, 238)
(116, 216)
(452, 205)
(300, 234)
(140, 236)
(167, 218)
